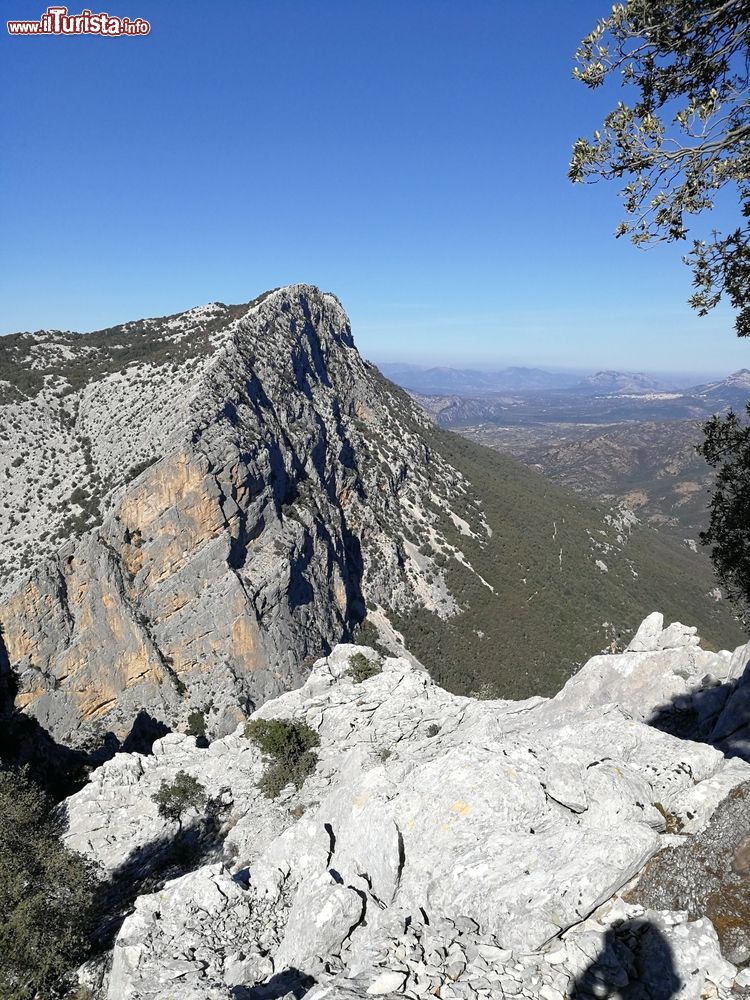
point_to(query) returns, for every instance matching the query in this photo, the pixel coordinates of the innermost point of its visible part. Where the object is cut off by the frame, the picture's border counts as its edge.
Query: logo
(57, 21)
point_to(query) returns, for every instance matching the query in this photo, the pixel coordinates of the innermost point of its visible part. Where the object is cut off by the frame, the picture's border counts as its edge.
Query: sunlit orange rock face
(131, 605)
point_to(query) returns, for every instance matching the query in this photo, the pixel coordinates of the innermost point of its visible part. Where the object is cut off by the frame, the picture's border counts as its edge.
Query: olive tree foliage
(176, 798)
(48, 895)
(681, 135)
(727, 449)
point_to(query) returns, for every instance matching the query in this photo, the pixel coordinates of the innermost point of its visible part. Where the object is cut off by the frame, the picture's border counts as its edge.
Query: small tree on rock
(175, 798)
(290, 747)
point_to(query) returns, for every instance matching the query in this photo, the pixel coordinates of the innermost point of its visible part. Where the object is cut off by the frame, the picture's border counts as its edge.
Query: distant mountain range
(612, 381)
(604, 398)
(467, 381)
(519, 379)
(614, 436)
(735, 386)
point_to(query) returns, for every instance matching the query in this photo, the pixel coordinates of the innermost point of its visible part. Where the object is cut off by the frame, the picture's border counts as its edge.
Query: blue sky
(409, 155)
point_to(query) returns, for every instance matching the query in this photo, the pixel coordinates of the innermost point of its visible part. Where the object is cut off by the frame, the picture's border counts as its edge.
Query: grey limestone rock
(508, 854)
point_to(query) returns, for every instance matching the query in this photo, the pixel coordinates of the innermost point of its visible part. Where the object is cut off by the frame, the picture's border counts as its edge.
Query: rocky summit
(444, 846)
(197, 507)
(214, 537)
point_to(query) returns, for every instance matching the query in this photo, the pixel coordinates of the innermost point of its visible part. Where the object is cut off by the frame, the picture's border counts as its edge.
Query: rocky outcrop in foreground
(450, 847)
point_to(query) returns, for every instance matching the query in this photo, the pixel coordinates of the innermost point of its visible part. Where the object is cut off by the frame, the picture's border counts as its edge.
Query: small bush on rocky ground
(368, 635)
(361, 668)
(47, 895)
(184, 793)
(196, 724)
(81, 992)
(289, 744)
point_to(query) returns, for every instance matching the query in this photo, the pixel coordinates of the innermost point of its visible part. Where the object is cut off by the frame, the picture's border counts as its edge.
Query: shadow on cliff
(290, 982)
(717, 714)
(635, 963)
(63, 770)
(147, 868)
(293, 486)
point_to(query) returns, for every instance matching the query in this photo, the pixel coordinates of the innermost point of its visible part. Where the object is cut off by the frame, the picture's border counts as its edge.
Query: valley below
(621, 438)
(652, 468)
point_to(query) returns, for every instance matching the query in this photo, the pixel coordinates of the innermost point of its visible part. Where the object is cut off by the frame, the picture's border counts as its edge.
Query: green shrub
(196, 723)
(368, 635)
(361, 668)
(174, 800)
(47, 895)
(81, 992)
(289, 744)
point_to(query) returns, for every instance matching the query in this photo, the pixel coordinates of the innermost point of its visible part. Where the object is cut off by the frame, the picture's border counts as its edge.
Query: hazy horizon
(500, 366)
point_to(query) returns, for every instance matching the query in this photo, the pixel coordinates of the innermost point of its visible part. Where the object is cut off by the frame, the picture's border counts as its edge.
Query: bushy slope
(654, 467)
(83, 414)
(552, 606)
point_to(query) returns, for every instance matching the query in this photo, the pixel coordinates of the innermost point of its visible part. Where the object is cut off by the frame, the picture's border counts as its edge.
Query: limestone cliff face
(285, 475)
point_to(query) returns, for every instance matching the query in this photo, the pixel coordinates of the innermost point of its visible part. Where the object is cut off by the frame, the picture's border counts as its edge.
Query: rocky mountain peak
(739, 378)
(614, 381)
(214, 475)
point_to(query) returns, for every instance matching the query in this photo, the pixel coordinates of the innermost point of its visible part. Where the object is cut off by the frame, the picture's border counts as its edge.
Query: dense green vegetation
(727, 449)
(289, 745)
(47, 895)
(196, 724)
(361, 668)
(525, 638)
(366, 634)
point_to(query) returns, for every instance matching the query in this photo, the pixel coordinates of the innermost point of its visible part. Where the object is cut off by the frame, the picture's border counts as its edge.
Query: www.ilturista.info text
(57, 21)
